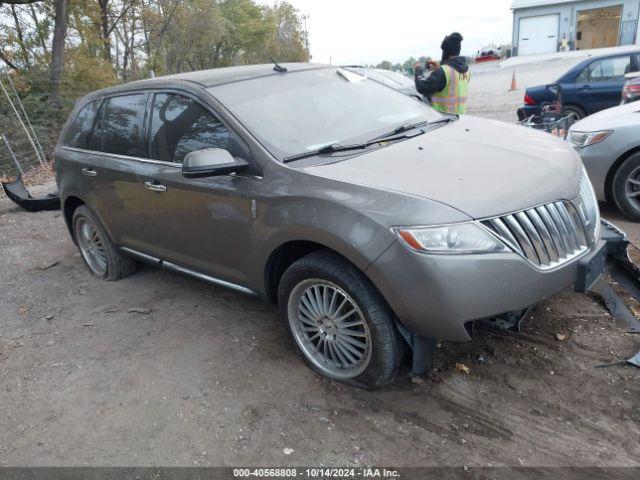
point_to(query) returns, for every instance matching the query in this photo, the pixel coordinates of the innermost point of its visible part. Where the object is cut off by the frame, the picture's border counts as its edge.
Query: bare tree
(36, 22)
(6, 60)
(57, 48)
(104, 24)
(20, 35)
(19, 2)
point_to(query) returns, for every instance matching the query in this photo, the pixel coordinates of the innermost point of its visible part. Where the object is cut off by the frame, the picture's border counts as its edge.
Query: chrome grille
(547, 236)
(587, 206)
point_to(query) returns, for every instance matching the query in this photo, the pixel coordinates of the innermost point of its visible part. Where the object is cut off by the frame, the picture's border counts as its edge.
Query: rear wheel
(339, 322)
(626, 187)
(98, 252)
(573, 111)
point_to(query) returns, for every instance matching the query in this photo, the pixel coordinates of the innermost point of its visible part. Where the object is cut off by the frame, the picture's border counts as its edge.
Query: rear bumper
(435, 295)
(528, 110)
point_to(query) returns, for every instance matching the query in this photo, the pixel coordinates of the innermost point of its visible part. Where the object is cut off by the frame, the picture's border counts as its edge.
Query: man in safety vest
(448, 83)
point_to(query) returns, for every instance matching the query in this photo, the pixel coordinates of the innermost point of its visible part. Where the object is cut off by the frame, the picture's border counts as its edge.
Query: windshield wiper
(402, 128)
(336, 147)
(331, 148)
(410, 126)
(444, 120)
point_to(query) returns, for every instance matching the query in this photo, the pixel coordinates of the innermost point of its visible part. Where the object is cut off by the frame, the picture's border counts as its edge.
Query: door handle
(89, 172)
(155, 187)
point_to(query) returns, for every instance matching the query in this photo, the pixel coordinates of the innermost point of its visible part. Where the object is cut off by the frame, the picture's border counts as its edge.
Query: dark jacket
(436, 82)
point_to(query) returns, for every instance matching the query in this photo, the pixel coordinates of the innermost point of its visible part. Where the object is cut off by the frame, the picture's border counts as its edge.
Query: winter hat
(451, 44)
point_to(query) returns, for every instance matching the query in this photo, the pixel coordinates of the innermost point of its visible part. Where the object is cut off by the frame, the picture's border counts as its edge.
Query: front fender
(348, 232)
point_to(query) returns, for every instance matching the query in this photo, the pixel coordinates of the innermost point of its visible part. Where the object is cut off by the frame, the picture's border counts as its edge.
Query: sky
(369, 31)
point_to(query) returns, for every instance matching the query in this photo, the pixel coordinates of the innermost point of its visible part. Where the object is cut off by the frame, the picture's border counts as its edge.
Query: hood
(480, 167)
(459, 63)
(622, 116)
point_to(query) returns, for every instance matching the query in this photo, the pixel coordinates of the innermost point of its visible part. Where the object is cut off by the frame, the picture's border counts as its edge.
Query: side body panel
(107, 184)
(601, 157)
(204, 224)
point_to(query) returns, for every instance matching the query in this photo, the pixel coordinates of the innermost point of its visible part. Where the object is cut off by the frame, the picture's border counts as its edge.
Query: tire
(621, 187)
(333, 282)
(97, 250)
(576, 112)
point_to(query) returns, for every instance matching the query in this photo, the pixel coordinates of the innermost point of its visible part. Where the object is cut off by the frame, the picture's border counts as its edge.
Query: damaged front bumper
(17, 192)
(437, 296)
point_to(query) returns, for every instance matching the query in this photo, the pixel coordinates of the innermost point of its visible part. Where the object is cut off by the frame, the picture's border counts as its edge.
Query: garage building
(547, 26)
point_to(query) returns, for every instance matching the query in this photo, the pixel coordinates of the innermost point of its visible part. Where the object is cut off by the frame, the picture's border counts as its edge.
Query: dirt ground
(159, 369)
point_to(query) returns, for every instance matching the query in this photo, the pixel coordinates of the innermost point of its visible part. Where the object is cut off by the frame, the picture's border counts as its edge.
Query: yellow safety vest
(453, 97)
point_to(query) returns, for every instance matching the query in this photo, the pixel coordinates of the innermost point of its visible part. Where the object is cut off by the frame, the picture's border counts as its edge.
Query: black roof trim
(207, 78)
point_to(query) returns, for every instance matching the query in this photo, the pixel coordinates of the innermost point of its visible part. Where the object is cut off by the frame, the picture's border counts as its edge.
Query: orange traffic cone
(513, 82)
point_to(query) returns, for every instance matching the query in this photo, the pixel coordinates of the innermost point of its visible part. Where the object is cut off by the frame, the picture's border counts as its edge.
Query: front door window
(180, 125)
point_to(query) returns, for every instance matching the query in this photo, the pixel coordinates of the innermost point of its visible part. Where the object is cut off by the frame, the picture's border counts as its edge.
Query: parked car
(592, 85)
(609, 144)
(368, 217)
(631, 88)
(395, 80)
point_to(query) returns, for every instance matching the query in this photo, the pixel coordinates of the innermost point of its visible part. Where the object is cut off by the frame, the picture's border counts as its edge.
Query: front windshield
(299, 112)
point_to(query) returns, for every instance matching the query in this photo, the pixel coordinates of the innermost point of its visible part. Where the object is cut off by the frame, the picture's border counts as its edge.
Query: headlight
(457, 238)
(584, 139)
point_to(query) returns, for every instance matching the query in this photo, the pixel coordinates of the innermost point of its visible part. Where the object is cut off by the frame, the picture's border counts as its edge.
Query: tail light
(528, 100)
(631, 92)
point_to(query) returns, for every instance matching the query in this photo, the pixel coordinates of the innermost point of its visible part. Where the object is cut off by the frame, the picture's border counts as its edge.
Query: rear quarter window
(583, 76)
(121, 126)
(81, 127)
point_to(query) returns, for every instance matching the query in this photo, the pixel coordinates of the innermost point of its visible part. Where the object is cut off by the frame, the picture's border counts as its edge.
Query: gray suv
(369, 218)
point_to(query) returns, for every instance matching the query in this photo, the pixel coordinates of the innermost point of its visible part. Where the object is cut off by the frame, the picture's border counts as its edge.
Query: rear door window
(121, 126)
(80, 130)
(610, 69)
(180, 125)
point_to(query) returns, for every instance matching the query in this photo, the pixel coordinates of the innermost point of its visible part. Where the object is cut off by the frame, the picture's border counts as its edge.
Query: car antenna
(278, 67)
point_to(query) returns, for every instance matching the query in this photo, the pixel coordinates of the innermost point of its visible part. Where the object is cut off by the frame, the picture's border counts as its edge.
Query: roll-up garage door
(538, 35)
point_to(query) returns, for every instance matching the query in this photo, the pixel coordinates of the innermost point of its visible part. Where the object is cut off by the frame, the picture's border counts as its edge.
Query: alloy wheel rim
(329, 328)
(632, 188)
(91, 247)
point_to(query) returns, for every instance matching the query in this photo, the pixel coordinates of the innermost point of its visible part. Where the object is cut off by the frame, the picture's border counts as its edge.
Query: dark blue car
(590, 86)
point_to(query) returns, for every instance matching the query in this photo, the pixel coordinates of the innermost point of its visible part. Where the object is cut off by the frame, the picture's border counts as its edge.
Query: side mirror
(211, 162)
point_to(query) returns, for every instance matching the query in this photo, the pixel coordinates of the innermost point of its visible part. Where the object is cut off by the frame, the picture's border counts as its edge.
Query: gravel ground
(159, 369)
(489, 90)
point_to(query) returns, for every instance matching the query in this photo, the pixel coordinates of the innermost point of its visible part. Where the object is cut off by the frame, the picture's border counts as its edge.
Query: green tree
(287, 42)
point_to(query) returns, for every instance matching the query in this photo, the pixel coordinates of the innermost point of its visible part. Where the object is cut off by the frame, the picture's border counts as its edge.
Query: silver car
(394, 80)
(609, 144)
(370, 219)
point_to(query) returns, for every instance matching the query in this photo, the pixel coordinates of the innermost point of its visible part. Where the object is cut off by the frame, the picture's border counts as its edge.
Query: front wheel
(339, 322)
(626, 187)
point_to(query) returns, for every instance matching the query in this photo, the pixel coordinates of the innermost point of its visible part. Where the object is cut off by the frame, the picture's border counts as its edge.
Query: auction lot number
(345, 473)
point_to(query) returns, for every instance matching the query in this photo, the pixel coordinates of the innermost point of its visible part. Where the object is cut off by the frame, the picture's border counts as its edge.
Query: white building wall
(568, 12)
